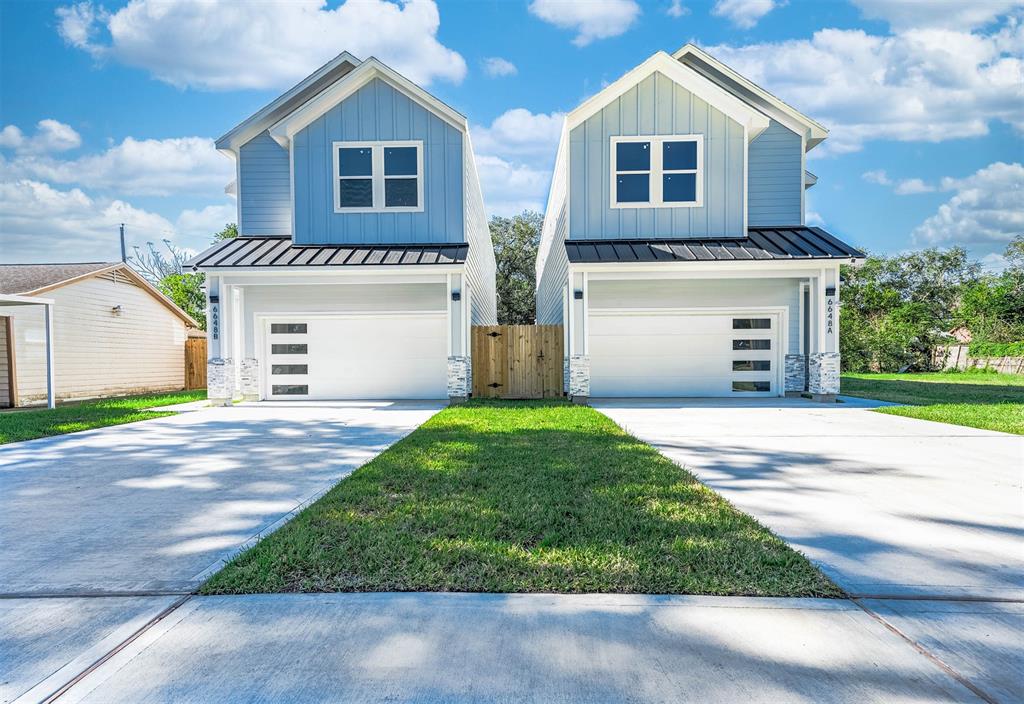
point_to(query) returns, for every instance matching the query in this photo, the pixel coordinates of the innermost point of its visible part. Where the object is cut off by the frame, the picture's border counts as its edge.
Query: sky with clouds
(108, 110)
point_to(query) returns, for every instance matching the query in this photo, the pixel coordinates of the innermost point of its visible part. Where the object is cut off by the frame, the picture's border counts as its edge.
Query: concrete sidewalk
(518, 648)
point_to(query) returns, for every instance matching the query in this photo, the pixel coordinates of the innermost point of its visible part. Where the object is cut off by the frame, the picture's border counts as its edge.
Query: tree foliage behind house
(896, 310)
(516, 240)
(167, 272)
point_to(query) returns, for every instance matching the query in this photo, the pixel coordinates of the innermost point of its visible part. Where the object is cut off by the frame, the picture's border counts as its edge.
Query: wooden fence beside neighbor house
(517, 361)
(195, 363)
(958, 357)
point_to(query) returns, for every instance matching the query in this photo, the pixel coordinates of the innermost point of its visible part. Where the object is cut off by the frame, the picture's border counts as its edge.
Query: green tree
(896, 310)
(167, 272)
(186, 290)
(992, 307)
(516, 240)
(230, 231)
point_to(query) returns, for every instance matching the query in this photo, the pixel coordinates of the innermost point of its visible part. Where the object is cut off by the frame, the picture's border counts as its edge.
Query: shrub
(996, 349)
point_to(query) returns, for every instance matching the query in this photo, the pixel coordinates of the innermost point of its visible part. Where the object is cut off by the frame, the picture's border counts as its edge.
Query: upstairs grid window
(378, 177)
(657, 172)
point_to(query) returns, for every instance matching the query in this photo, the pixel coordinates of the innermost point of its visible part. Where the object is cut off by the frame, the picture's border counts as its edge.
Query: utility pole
(124, 256)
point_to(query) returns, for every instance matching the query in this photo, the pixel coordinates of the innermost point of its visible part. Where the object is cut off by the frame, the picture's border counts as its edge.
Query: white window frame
(657, 172)
(377, 176)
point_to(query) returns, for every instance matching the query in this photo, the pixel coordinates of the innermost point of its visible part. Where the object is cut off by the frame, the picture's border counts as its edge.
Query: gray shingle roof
(761, 243)
(22, 278)
(280, 252)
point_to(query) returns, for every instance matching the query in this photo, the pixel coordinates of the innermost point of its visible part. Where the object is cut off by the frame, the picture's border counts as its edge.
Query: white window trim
(657, 171)
(377, 176)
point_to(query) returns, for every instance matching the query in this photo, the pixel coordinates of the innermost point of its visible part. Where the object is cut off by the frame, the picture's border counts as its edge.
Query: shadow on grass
(522, 497)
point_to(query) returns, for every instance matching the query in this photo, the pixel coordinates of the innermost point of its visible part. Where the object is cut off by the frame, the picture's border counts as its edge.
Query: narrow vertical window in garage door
(752, 363)
(289, 367)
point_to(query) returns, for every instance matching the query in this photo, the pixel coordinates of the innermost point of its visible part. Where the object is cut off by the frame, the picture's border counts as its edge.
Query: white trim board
(377, 175)
(784, 112)
(753, 121)
(285, 129)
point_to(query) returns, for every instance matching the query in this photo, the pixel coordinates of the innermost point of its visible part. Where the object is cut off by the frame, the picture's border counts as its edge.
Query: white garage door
(355, 357)
(685, 354)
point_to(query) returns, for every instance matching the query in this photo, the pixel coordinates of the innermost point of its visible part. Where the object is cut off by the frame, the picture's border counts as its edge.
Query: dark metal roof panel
(761, 243)
(275, 252)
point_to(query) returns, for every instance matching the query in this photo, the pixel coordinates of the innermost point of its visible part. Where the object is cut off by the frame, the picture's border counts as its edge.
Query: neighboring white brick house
(114, 334)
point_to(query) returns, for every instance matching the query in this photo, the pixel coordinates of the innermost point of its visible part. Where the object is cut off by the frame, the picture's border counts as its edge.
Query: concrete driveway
(922, 521)
(149, 509)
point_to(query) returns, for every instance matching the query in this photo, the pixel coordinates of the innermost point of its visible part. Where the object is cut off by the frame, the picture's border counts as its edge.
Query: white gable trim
(285, 129)
(259, 121)
(786, 114)
(753, 121)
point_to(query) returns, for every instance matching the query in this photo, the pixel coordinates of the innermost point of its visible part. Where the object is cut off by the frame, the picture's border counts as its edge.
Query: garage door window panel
(290, 390)
(751, 344)
(289, 348)
(751, 365)
(288, 328)
(751, 386)
(289, 369)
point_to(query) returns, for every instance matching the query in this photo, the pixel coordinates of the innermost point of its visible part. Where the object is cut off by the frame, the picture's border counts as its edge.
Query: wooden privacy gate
(195, 363)
(517, 361)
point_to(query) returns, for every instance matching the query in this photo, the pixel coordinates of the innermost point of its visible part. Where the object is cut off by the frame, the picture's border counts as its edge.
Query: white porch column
(219, 370)
(50, 385)
(579, 354)
(459, 371)
(823, 360)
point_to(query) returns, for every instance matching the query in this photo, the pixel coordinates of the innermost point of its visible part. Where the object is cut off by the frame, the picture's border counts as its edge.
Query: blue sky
(108, 110)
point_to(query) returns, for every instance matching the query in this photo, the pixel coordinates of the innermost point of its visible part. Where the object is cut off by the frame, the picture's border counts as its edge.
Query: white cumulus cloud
(495, 67)
(677, 9)
(947, 14)
(182, 165)
(590, 19)
(515, 157)
(745, 14)
(40, 223)
(918, 85)
(50, 136)
(225, 45)
(987, 206)
(902, 187)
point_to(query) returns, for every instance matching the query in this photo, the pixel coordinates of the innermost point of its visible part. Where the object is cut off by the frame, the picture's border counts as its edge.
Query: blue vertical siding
(656, 106)
(264, 190)
(776, 177)
(378, 112)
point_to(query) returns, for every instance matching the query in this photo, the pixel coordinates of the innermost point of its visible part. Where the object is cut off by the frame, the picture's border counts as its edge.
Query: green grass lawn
(522, 497)
(29, 424)
(974, 399)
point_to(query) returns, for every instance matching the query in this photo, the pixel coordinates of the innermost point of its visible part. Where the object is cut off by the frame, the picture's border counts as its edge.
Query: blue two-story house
(674, 248)
(363, 254)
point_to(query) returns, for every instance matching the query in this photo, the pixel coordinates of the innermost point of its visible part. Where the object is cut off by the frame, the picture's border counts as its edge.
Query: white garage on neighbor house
(111, 334)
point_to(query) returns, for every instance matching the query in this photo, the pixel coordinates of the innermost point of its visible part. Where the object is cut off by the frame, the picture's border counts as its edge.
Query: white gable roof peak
(273, 111)
(698, 59)
(747, 115)
(283, 130)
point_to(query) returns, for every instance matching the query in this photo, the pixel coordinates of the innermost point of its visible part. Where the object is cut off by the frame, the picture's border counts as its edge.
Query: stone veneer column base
(823, 375)
(579, 378)
(796, 372)
(460, 378)
(220, 374)
(250, 370)
(565, 376)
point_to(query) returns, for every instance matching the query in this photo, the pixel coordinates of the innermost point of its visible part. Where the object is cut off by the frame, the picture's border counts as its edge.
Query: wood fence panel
(517, 361)
(195, 363)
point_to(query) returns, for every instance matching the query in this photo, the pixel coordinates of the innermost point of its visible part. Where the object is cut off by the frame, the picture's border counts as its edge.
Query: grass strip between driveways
(522, 497)
(975, 399)
(29, 424)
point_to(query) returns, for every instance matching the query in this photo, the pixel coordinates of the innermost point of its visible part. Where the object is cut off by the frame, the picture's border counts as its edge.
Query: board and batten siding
(776, 177)
(554, 275)
(98, 353)
(701, 293)
(656, 106)
(264, 189)
(378, 112)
